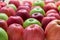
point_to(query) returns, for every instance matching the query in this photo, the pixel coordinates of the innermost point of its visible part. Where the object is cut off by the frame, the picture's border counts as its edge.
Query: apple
(15, 32)
(15, 19)
(3, 34)
(51, 11)
(50, 6)
(2, 4)
(12, 6)
(3, 16)
(57, 3)
(59, 8)
(54, 15)
(24, 7)
(39, 3)
(27, 3)
(3, 24)
(37, 9)
(23, 13)
(31, 21)
(33, 32)
(8, 11)
(46, 20)
(52, 30)
(49, 1)
(37, 16)
(15, 2)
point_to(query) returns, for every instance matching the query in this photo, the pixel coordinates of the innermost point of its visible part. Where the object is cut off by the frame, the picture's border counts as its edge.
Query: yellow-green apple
(54, 15)
(8, 11)
(31, 21)
(3, 34)
(3, 24)
(15, 2)
(49, 1)
(33, 32)
(39, 3)
(23, 13)
(15, 32)
(58, 8)
(50, 6)
(46, 20)
(52, 30)
(27, 3)
(24, 7)
(12, 6)
(37, 16)
(3, 16)
(15, 19)
(37, 9)
(51, 11)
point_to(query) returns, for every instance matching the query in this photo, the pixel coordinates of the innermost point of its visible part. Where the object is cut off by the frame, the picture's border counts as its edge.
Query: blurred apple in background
(15, 19)
(23, 13)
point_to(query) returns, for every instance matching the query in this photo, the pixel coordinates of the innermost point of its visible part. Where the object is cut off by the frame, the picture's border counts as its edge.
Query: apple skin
(15, 19)
(2, 4)
(39, 3)
(33, 32)
(37, 9)
(8, 11)
(3, 24)
(3, 16)
(57, 3)
(23, 13)
(51, 11)
(31, 21)
(24, 7)
(49, 1)
(50, 6)
(46, 20)
(58, 8)
(27, 3)
(15, 2)
(52, 30)
(12, 6)
(15, 32)
(54, 15)
(37, 16)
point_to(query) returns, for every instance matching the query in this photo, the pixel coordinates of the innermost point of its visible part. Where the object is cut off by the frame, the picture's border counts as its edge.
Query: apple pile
(38, 20)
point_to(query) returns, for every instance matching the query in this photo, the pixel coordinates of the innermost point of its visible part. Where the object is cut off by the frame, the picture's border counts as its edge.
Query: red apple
(15, 2)
(27, 3)
(15, 32)
(49, 1)
(8, 10)
(46, 20)
(24, 7)
(57, 3)
(33, 32)
(54, 15)
(52, 30)
(2, 4)
(50, 6)
(23, 13)
(51, 11)
(37, 16)
(3, 24)
(15, 19)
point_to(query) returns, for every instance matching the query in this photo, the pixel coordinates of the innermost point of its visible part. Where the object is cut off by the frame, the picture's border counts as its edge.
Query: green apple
(39, 3)
(58, 8)
(3, 34)
(3, 16)
(37, 9)
(31, 21)
(12, 6)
